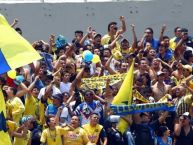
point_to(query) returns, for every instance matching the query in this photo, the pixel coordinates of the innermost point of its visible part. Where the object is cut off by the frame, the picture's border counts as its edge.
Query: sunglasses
(90, 94)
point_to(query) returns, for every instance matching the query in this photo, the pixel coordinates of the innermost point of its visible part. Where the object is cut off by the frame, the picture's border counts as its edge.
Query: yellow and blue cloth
(15, 51)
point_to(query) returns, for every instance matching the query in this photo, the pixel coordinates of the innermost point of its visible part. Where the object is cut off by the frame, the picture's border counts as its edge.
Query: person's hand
(63, 57)
(122, 18)
(183, 84)
(60, 109)
(24, 132)
(163, 28)
(37, 77)
(181, 120)
(132, 27)
(15, 21)
(158, 59)
(52, 40)
(89, 30)
(120, 36)
(93, 92)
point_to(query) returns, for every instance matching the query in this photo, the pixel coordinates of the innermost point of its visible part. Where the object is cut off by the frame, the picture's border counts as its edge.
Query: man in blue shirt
(149, 38)
(52, 109)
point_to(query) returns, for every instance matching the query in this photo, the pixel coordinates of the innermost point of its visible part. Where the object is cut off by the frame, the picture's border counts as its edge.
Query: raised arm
(31, 86)
(163, 28)
(107, 66)
(99, 98)
(123, 25)
(15, 22)
(141, 43)
(77, 80)
(57, 64)
(89, 33)
(177, 128)
(113, 43)
(134, 45)
(51, 43)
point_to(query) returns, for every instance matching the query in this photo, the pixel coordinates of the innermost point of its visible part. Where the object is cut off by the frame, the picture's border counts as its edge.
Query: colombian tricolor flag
(15, 51)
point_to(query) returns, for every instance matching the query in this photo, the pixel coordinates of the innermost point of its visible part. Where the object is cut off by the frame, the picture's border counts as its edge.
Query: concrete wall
(38, 21)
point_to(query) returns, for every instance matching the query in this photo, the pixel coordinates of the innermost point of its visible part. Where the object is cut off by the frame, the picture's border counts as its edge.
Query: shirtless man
(160, 89)
(143, 68)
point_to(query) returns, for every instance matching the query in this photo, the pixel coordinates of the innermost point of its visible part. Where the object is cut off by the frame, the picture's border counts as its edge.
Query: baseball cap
(184, 30)
(186, 114)
(124, 40)
(160, 73)
(97, 35)
(58, 96)
(25, 119)
(114, 118)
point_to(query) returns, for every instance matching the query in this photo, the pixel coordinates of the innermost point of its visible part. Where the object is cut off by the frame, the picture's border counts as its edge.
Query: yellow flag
(138, 96)
(124, 96)
(4, 136)
(15, 51)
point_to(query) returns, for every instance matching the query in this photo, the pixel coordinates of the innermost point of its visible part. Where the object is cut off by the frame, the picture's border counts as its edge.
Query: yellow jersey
(93, 132)
(74, 137)
(31, 106)
(16, 108)
(105, 41)
(23, 140)
(51, 137)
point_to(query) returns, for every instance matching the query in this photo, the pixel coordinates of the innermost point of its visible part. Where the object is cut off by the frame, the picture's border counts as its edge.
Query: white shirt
(43, 90)
(65, 87)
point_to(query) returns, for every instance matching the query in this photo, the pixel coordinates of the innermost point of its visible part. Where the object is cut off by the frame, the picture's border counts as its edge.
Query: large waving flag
(4, 136)
(124, 96)
(15, 51)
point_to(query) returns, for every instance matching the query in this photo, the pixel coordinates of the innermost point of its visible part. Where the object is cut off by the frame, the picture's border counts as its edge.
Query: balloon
(19, 79)
(60, 41)
(96, 59)
(87, 56)
(11, 74)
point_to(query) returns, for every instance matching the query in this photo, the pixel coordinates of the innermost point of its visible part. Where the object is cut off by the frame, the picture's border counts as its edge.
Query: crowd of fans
(47, 104)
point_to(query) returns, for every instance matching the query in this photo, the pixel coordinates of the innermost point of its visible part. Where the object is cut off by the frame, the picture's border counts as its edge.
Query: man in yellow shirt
(31, 101)
(176, 38)
(51, 135)
(113, 32)
(74, 134)
(14, 105)
(95, 131)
